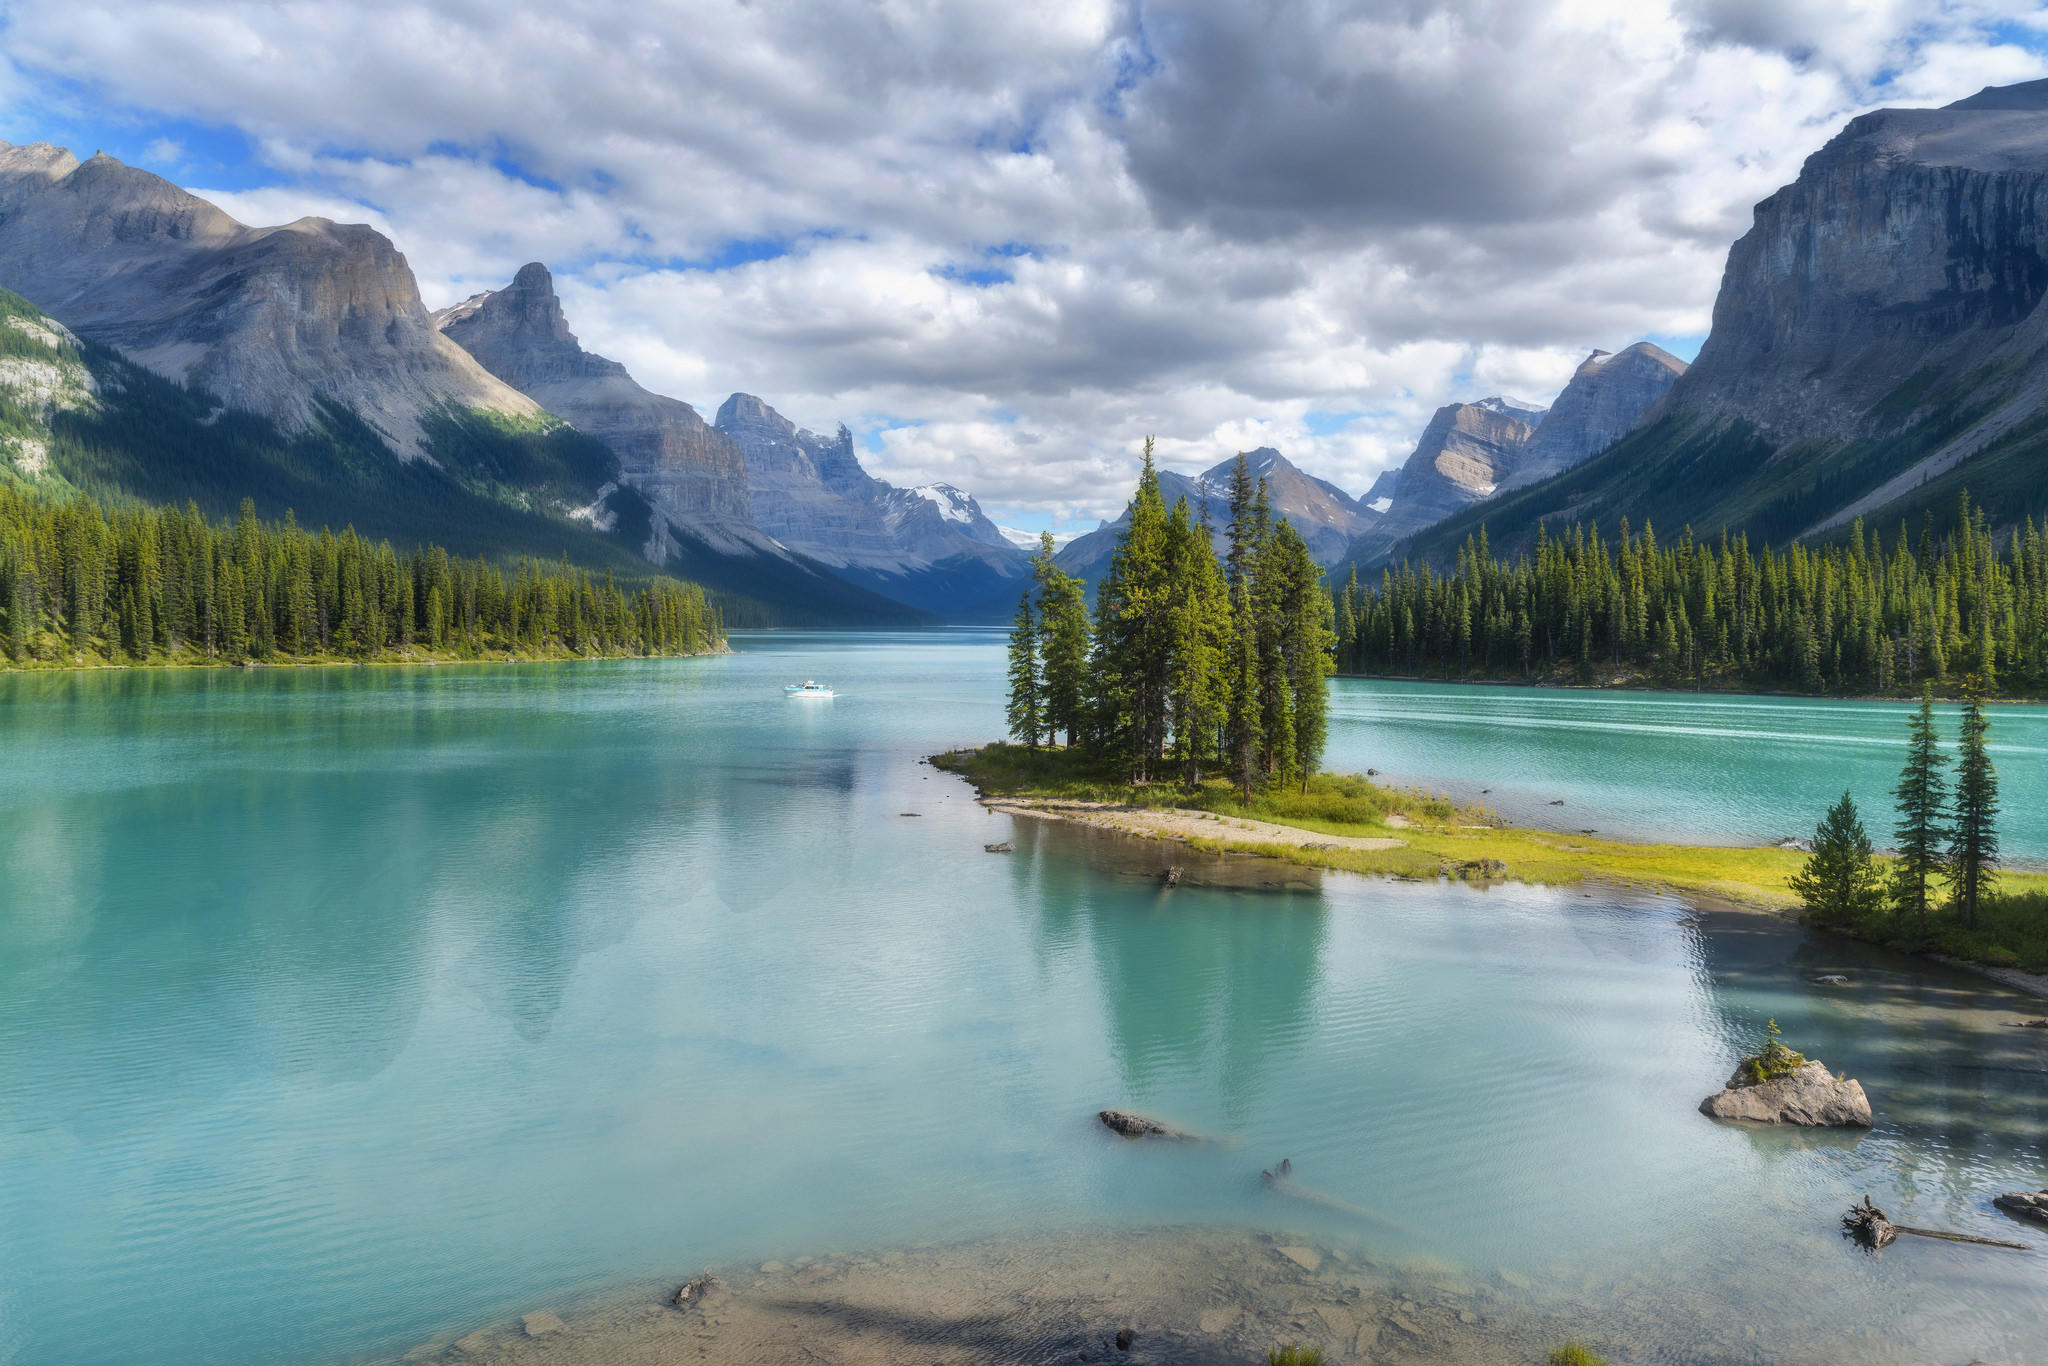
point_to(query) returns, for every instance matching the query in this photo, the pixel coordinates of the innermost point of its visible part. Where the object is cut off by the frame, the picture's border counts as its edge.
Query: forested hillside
(1864, 615)
(167, 586)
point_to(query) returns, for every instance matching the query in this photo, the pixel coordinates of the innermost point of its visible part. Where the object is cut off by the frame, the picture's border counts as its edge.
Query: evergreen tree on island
(1195, 666)
(1840, 882)
(1973, 839)
(1025, 712)
(1921, 795)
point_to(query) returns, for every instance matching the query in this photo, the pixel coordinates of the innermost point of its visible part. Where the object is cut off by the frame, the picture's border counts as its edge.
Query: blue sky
(1005, 244)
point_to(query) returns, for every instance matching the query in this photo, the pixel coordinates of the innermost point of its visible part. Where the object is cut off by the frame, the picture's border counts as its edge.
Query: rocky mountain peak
(272, 320)
(690, 472)
(1607, 396)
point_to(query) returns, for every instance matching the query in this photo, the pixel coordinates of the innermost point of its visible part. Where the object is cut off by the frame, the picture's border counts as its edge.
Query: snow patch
(597, 514)
(953, 505)
(1381, 504)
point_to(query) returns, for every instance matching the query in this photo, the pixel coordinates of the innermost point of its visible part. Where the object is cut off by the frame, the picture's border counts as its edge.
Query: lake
(344, 1008)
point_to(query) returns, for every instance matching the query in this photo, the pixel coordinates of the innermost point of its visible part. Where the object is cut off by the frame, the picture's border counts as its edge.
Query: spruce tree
(1025, 712)
(1062, 645)
(1920, 800)
(1840, 882)
(1973, 841)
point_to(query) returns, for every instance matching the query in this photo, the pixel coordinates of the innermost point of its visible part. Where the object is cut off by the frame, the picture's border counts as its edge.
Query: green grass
(1772, 1062)
(1291, 1355)
(1575, 1354)
(1440, 839)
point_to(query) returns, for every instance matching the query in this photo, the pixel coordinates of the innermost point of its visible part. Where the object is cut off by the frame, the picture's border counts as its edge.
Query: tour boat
(807, 689)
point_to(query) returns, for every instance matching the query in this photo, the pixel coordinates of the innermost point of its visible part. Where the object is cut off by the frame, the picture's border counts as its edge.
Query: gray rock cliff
(1466, 453)
(689, 470)
(268, 319)
(1606, 398)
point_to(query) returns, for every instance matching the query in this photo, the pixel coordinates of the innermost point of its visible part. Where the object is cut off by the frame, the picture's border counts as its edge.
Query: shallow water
(344, 1008)
(1681, 767)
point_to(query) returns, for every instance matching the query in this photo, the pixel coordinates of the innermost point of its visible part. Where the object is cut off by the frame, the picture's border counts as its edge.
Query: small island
(1776, 1085)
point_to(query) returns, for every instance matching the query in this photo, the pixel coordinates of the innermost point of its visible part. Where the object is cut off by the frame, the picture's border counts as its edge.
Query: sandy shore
(1176, 823)
(1192, 1296)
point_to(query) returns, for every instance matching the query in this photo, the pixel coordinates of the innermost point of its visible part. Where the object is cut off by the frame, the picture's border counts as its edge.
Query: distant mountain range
(1877, 345)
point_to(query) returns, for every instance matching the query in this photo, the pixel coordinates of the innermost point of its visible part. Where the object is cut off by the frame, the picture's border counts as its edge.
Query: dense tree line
(1856, 616)
(1192, 666)
(143, 585)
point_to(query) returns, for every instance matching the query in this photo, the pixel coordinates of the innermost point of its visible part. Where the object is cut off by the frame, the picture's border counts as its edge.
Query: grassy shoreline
(1436, 838)
(331, 661)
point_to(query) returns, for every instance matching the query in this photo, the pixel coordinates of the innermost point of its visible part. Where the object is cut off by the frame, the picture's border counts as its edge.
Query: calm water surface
(340, 1008)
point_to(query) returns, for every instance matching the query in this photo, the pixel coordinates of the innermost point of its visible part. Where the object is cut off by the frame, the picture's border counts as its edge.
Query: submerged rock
(1132, 1125)
(698, 1291)
(1004, 847)
(1810, 1096)
(541, 1322)
(2025, 1205)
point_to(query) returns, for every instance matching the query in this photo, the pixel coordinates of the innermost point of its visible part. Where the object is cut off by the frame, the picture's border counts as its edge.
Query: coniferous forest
(1194, 668)
(1865, 615)
(83, 585)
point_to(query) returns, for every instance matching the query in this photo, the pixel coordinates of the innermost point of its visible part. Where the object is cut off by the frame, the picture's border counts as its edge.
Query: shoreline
(335, 662)
(1405, 858)
(1735, 689)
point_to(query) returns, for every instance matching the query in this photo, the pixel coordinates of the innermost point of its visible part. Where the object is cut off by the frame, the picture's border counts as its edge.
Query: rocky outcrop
(1606, 398)
(1810, 1096)
(2025, 1205)
(272, 320)
(689, 470)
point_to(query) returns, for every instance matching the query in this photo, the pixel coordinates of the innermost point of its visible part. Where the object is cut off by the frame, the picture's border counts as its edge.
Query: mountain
(1607, 396)
(1876, 348)
(930, 547)
(269, 320)
(687, 468)
(1325, 515)
(1467, 451)
(297, 367)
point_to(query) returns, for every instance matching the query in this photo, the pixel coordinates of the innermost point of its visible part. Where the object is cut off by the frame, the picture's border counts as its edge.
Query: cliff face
(1606, 398)
(929, 547)
(1875, 350)
(689, 470)
(1465, 454)
(270, 320)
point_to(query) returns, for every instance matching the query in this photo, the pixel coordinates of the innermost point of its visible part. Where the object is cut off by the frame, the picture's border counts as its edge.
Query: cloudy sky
(1003, 242)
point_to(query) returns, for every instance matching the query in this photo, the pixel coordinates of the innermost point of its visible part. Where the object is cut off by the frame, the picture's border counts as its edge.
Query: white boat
(807, 689)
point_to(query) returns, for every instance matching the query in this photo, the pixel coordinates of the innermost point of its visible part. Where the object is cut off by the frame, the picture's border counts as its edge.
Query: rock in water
(541, 1322)
(1003, 848)
(2025, 1205)
(1170, 878)
(1131, 1125)
(698, 1291)
(1809, 1096)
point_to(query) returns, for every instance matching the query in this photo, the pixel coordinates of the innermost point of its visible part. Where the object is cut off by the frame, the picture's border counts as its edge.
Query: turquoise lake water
(341, 1008)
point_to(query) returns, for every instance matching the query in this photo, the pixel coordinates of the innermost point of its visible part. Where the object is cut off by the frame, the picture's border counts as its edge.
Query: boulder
(1005, 847)
(2025, 1205)
(1132, 1125)
(1809, 1096)
(699, 1291)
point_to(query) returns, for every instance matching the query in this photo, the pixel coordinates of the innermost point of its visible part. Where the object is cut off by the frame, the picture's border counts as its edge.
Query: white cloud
(1238, 215)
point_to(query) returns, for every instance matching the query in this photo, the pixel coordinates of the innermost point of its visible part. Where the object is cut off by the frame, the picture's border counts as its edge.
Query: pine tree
(1973, 841)
(1063, 645)
(1920, 800)
(1026, 708)
(1841, 881)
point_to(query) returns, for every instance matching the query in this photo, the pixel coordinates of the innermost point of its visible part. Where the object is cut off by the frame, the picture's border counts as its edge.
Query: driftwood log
(1867, 1224)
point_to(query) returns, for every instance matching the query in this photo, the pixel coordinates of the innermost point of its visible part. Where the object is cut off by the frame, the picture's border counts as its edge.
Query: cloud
(1004, 243)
